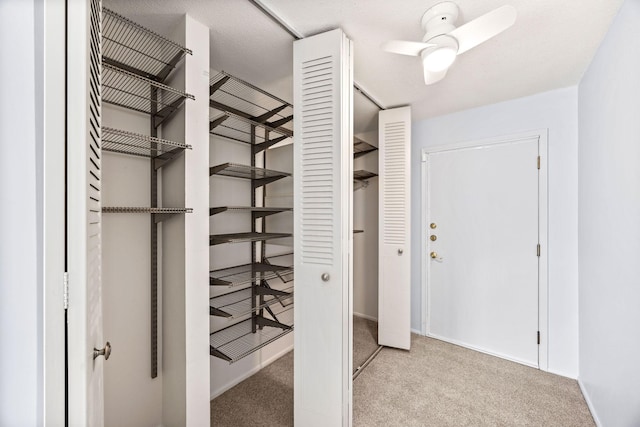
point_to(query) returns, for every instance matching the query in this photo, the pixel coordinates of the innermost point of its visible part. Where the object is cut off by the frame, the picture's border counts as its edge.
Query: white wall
(130, 394)
(609, 224)
(557, 111)
(21, 374)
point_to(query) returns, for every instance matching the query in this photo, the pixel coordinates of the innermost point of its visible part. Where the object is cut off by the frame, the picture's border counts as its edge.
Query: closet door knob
(325, 277)
(106, 351)
(400, 251)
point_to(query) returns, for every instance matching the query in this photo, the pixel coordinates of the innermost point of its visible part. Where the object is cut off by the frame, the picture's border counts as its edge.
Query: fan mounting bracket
(439, 20)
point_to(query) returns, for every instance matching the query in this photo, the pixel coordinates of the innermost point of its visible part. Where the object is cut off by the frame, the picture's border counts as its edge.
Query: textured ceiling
(549, 47)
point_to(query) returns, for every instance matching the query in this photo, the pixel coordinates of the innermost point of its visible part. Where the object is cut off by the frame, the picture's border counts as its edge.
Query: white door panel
(394, 283)
(323, 169)
(84, 184)
(483, 281)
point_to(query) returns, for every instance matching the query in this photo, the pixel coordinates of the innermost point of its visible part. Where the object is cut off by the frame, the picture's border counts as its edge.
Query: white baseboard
(482, 350)
(589, 404)
(417, 332)
(365, 316)
(238, 380)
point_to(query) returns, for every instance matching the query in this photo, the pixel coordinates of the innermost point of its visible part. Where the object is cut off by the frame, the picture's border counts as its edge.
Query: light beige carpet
(435, 384)
(440, 384)
(266, 398)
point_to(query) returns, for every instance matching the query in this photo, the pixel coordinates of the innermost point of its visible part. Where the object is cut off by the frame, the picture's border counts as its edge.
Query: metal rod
(298, 36)
(154, 242)
(366, 362)
(254, 324)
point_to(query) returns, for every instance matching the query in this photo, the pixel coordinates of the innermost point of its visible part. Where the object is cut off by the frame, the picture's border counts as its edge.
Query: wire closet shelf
(248, 273)
(360, 147)
(240, 340)
(137, 49)
(239, 108)
(239, 303)
(128, 90)
(120, 141)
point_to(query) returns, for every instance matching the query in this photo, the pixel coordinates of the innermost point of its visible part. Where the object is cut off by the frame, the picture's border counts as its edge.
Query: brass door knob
(434, 255)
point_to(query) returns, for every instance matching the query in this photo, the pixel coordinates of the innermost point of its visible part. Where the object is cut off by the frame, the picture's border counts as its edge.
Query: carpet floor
(435, 384)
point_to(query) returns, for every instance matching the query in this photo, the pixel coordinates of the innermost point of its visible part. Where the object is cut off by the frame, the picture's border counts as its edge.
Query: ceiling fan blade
(483, 28)
(405, 48)
(431, 77)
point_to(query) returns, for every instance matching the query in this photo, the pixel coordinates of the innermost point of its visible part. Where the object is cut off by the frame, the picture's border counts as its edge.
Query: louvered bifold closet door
(323, 187)
(84, 184)
(394, 283)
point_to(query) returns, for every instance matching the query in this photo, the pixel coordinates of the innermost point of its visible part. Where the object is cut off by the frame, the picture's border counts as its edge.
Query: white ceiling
(549, 47)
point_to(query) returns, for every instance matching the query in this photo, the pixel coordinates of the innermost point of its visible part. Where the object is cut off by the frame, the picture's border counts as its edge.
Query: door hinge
(538, 249)
(65, 290)
(538, 162)
(538, 337)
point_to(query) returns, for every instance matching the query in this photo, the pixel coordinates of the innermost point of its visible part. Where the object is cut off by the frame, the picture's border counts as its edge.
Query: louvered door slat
(394, 304)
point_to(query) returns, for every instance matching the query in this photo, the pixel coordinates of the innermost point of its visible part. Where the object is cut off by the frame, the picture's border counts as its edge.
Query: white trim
(365, 316)
(225, 387)
(417, 332)
(54, 211)
(486, 141)
(587, 399)
(423, 243)
(543, 215)
(481, 350)
(543, 261)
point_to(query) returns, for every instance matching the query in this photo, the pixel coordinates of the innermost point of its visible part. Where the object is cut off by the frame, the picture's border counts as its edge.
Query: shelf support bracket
(266, 116)
(166, 112)
(213, 311)
(280, 122)
(262, 321)
(217, 85)
(128, 68)
(217, 353)
(263, 290)
(164, 73)
(217, 122)
(264, 181)
(166, 158)
(158, 218)
(264, 145)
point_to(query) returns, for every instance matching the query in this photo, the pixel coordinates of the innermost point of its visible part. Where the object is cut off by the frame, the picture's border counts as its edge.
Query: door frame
(54, 235)
(543, 218)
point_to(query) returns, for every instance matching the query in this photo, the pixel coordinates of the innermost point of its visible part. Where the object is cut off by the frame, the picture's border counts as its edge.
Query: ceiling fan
(442, 41)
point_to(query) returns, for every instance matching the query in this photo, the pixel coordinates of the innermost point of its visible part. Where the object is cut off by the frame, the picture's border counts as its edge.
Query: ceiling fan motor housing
(439, 20)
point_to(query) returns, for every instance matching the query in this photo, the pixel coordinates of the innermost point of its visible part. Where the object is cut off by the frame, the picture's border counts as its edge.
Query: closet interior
(254, 292)
(251, 278)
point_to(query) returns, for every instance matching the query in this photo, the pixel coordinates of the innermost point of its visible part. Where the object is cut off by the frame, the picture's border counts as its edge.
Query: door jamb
(54, 188)
(543, 217)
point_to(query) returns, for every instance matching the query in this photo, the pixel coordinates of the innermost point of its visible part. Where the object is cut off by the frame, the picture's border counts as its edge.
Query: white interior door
(482, 256)
(84, 312)
(323, 227)
(394, 283)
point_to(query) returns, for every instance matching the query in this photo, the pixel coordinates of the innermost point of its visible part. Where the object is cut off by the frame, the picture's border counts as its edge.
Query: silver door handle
(400, 251)
(106, 351)
(325, 277)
